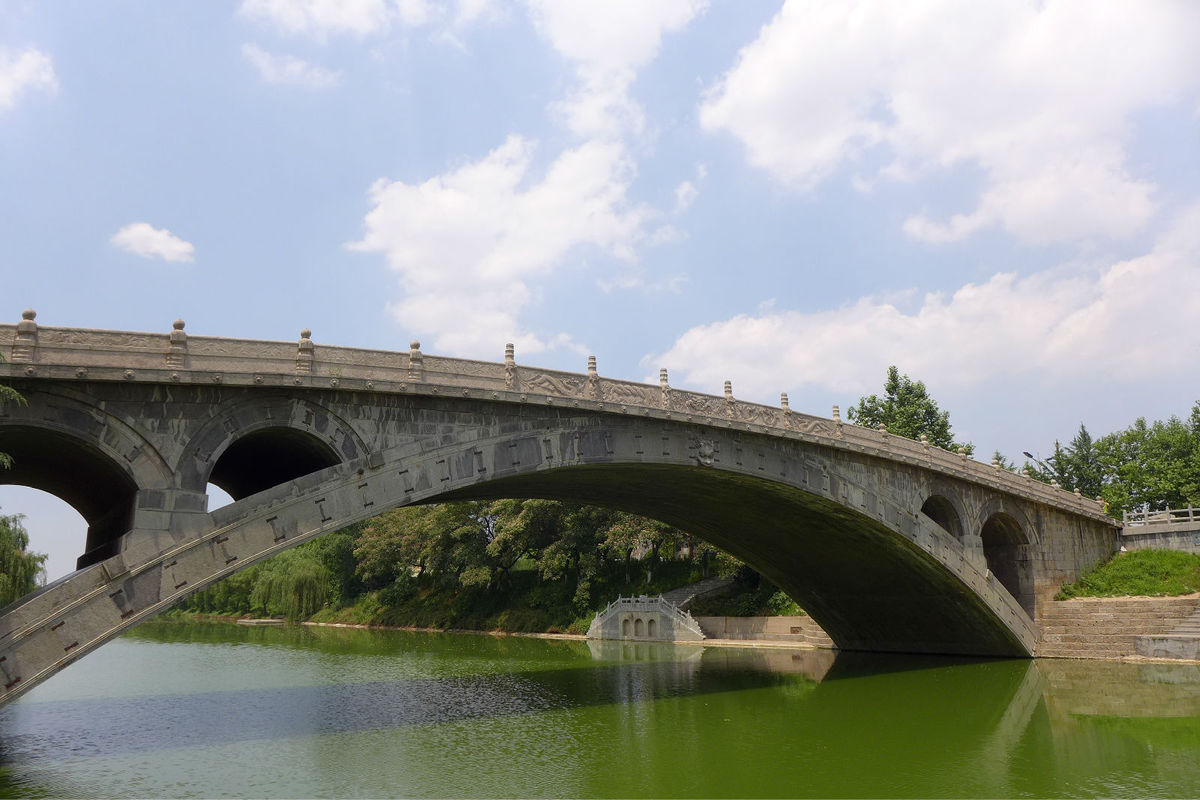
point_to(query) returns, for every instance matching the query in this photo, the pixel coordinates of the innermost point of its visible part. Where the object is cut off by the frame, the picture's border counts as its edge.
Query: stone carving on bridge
(25, 345)
(625, 393)
(811, 425)
(510, 368)
(304, 352)
(665, 387)
(593, 378)
(706, 451)
(416, 368)
(701, 405)
(562, 384)
(177, 347)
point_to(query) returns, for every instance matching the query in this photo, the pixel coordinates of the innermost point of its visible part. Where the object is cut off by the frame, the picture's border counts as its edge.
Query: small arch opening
(79, 474)
(625, 628)
(269, 457)
(639, 627)
(1005, 547)
(942, 511)
(55, 528)
(651, 629)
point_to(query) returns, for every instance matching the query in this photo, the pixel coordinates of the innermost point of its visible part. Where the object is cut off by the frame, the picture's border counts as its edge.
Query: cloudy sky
(1001, 198)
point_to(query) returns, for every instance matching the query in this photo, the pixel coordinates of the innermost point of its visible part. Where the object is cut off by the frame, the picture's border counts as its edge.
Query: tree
(1151, 466)
(1003, 462)
(906, 409)
(20, 571)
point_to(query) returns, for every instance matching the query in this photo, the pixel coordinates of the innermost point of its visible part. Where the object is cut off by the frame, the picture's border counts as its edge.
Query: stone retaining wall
(781, 629)
(1186, 541)
(1107, 627)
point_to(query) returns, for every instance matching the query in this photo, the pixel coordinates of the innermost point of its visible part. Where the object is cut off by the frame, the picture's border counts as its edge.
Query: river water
(179, 709)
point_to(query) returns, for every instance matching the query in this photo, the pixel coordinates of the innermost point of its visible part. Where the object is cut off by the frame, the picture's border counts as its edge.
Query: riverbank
(1082, 628)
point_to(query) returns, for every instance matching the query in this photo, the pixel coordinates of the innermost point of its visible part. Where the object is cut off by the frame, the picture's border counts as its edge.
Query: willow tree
(20, 571)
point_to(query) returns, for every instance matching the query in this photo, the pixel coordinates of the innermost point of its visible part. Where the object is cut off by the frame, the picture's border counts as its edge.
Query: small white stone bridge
(890, 544)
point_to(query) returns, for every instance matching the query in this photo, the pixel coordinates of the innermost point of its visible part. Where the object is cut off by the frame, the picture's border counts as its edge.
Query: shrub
(1150, 573)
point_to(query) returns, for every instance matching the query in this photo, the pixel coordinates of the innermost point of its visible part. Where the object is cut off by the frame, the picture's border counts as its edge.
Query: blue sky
(1001, 198)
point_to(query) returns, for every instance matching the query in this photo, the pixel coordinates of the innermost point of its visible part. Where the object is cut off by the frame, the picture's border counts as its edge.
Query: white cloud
(285, 69)
(608, 43)
(1038, 96)
(143, 240)
(687, 191)
(1131, 320)
(321, 18)
(28, 70)
(468, 243)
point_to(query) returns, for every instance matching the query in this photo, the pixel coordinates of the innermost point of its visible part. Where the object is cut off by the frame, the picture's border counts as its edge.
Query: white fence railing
(1189, 516)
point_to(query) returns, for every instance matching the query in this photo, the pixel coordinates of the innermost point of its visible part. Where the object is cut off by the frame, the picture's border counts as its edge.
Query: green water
(213, 710)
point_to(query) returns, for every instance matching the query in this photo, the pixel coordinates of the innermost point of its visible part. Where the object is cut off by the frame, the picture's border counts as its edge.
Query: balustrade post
(416, 362)
(305, 352)
(177, 346)
(24, 349)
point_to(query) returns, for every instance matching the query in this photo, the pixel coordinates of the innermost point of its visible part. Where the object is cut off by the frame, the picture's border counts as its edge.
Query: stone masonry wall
(1107, 627)
(780, 629)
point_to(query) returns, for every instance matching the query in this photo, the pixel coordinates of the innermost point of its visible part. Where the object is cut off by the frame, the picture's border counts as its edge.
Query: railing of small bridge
(176, 357)
(638, 603)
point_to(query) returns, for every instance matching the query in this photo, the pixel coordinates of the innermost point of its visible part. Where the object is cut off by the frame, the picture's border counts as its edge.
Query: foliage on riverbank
(1152, 465)
(751, 595)
(1139, 573)
(525, 603)
(510, 565)
(20, 570)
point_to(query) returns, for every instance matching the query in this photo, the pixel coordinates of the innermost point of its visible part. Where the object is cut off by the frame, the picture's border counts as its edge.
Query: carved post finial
(593, 378)
(783, 403)
(837, 421)
(995, 463)
(925, 442)
(305, 352)
(729, 412)
(1055, 484)
(665, 387)
(25, 345)
(962, 453)
(1078, 493)
(416, 362)
(510, 367)
(177, 346)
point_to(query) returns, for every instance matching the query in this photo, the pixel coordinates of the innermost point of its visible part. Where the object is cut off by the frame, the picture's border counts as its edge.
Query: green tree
(906, 409)
(1003, 461)
(20, 571)
(1151, 465)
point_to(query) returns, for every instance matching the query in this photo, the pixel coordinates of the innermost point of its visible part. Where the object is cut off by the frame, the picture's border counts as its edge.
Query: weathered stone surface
(888, 543)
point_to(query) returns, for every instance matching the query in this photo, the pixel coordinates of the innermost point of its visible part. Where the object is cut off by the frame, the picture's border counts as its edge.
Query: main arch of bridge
(887, 551)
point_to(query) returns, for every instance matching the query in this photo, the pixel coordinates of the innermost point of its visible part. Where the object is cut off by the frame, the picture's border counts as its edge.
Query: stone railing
(1151, 521)
(674, 624)
(78, 354)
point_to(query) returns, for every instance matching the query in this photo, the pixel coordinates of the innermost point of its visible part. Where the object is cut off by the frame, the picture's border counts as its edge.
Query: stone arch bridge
(890, 544)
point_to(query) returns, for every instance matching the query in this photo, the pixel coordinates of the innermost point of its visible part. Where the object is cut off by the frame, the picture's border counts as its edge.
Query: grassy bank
(1152, 573)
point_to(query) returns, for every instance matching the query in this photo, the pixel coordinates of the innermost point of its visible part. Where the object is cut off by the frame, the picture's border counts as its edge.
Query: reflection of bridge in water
(890, 544)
